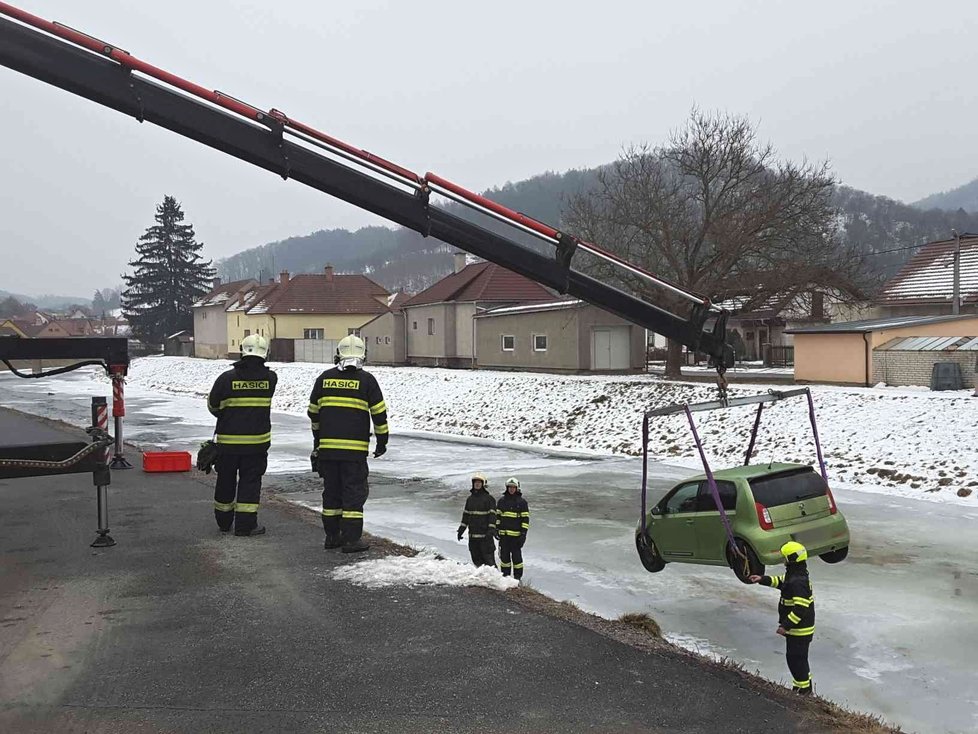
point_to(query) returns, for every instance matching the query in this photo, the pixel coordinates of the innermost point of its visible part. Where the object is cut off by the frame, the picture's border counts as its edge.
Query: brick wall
(914, 368)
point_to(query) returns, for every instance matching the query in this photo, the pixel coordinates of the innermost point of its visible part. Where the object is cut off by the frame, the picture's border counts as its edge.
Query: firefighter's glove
(461, 531)
(380, 450)
(314, 460)
(206, 456)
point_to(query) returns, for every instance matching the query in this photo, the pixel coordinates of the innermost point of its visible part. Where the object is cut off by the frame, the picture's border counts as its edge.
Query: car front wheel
(746, 565)
(648, 554)
(835, 556)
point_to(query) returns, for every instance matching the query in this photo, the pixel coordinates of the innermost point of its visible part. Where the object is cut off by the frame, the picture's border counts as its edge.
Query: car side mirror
(656, 510)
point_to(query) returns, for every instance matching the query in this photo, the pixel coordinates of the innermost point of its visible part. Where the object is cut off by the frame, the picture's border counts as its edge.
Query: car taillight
(763, 517)
(832, 508)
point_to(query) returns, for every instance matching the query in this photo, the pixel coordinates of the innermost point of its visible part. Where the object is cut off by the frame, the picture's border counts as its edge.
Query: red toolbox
(162, 461)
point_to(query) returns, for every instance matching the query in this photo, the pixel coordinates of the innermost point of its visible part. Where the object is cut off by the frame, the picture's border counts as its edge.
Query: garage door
(610, 348)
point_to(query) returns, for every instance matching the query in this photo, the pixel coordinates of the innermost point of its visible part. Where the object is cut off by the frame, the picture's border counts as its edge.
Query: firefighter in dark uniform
(796, 613)
(479, 518)
(512, 523)
(241, 400)
(344, 401)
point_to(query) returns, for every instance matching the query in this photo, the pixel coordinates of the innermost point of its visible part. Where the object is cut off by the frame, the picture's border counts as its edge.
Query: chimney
(459, 262)
(329, 273)
(283, 277)
(216, 283)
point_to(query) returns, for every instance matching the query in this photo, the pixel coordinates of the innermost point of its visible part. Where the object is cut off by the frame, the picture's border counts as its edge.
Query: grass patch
(642, 621)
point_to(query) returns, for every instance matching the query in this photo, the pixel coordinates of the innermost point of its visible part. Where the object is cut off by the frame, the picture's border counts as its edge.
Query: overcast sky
(481, 93)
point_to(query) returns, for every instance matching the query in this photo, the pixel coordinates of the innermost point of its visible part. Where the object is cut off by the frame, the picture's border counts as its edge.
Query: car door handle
(690, 521)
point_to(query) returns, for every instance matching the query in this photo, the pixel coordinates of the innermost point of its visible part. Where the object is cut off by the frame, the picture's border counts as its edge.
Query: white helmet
(254, 345)
(351, 352)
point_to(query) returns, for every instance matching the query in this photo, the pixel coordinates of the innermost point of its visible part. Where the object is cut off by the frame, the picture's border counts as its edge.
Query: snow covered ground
(905, 441)
(424, 569)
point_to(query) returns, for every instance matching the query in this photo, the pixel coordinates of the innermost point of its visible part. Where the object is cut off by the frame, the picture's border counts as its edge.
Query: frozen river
(896, 633)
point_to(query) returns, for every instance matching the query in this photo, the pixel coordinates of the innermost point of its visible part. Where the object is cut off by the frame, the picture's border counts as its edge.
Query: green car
(767, 505)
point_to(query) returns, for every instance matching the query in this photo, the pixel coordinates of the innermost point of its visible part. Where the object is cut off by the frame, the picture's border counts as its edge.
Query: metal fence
(779, 356)
(315, 350)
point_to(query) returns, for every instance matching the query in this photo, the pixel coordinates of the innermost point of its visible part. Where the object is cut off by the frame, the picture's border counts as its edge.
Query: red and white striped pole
(118, 373)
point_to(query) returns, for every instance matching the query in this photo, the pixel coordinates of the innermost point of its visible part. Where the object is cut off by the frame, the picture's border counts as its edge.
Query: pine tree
(169, 276)
(99, 306)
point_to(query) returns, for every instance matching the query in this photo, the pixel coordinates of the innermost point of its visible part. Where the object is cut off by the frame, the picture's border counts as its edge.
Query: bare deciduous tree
(717, 212)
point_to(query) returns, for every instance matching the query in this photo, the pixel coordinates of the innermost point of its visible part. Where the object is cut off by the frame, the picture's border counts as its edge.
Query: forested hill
(404, 260)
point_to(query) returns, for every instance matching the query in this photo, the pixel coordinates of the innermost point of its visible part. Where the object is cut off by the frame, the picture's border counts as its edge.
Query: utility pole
(956, 287)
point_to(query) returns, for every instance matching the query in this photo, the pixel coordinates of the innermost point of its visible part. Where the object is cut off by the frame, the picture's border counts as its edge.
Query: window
(378, 340)
(682, 500)
(387, 340)
(353, 332)
(728, 497)
(238, 322)
(431, 327)
(203, 314)
(313, 334)
(539, 342)
(232, 342)
(785, 488)
(247, 332)
(509, 343)
(414, 325)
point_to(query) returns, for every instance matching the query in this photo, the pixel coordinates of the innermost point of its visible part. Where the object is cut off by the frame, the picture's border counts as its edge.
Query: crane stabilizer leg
(89, 67)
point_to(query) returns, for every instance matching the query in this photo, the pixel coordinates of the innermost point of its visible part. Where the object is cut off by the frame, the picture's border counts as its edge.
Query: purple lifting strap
(818, 445)
(753, 434)
(713, 485)
(645, 470)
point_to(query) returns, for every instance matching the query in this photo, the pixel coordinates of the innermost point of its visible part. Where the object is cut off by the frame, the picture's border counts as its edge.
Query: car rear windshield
(787, 487)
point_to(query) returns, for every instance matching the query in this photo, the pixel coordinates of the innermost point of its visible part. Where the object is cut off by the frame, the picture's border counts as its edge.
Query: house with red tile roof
(324, 306)
(439, 320)
(924, 286)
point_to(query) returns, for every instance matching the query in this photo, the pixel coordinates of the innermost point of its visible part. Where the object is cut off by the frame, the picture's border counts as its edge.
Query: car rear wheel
(648, 554)
(742, 568)
(835, 556)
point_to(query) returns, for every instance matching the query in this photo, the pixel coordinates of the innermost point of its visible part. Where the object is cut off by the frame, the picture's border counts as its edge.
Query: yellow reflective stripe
(242, 440)
(224, 506)
(801, 631)
(508, 514)
(787, 602)
(343, 443)
(352, 515)
(517, 565)
(380, 430)
(477, 535)
(313, 408)
(776, 581)
(801, 601)
(524, 514)
(332, 401)
(802, 683)
(315, 426)
(505, 565)
(246, 507)
(795, 619)
(478, 512)
(331, 512)
(246, 403)
(526, 526)
(378, 408)
(513, 533)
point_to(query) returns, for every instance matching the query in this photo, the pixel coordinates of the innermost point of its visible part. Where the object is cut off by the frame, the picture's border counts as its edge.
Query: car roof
(753, 471)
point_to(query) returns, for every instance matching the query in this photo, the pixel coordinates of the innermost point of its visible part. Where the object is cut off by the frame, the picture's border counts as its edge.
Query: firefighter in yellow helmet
(241, 400)
(345, 401)
(796, 612)
(479, 518)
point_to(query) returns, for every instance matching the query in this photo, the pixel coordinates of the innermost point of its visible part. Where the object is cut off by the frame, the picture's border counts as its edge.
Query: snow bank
(897, 437)
(424, 569)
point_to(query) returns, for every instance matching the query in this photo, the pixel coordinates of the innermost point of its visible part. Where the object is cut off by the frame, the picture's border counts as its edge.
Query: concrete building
(439, 320)
(386, 335)
(210, 318)
(561, 336)
(848, 352)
